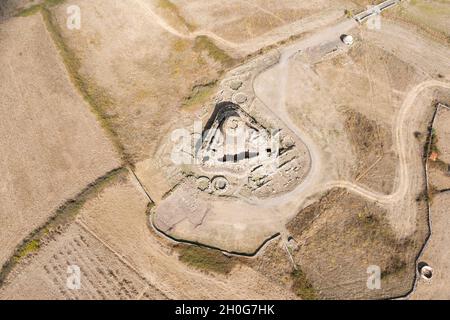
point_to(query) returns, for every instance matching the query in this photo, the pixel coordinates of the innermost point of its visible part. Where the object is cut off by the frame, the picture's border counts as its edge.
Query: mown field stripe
(64, 215)
(97, 99)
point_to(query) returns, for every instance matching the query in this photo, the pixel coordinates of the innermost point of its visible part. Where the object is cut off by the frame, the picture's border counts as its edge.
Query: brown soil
(146, 89)
(52, 144)
(103, 276)
(348, 235)
(372, 144)
(436, 253)
(273, 262)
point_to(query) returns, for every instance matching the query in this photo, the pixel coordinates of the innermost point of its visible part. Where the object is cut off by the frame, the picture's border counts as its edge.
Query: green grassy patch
(393, 267)
(203, 43)
(200, 94)
(301, 286)
(348, 13)
(168, 5)
(206, 259)
(52, 3)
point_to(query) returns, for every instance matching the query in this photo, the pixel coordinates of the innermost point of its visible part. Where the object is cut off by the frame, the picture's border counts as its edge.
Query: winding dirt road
(402, 129)
(403, 140)
(407, 180)
(187, 35)
(242, 49)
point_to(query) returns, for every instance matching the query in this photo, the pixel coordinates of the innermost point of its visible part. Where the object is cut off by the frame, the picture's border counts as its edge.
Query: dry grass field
(103, 276)
(347, 235)
(429, 17)
(143, 75)
(241, 21)
(436, 253)
(111, 238)
(119, 217)
(53, 147)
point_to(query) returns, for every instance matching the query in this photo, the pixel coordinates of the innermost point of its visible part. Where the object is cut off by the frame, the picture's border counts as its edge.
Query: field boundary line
(65, 213)
(141, 294)
(85, 227)
(429, 217)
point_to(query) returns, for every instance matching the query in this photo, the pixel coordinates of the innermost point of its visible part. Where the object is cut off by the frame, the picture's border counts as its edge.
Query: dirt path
(282, 70)
(314, 184)
(403, 138)
(320, 20)
(188, 35)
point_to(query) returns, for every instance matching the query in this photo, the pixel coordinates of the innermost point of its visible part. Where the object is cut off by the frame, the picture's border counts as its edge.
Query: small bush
(301, 286)
(395, 265)
(203, 43)
(200, 94)
(29, 11)
(348, 13)
(206, 259)
(28, 248)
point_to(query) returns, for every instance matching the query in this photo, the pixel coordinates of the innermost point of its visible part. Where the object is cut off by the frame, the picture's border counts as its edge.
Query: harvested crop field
(102, 274)
(55, 147)
(119, 217)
